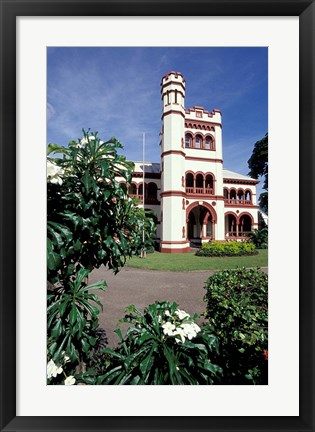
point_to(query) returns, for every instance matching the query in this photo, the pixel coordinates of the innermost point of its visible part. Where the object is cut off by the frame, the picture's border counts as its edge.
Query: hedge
(237, 313)
(231, 248)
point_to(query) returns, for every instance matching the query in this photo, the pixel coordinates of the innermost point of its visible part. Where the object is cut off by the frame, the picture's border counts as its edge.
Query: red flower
(266, 354)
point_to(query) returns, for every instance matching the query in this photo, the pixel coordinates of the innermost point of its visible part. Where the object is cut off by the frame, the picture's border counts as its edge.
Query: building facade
(193, 197)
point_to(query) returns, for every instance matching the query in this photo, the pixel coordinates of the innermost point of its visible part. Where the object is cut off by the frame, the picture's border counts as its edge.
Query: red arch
(189, 172)
(231, 213)
(246, 214)
(204, 204)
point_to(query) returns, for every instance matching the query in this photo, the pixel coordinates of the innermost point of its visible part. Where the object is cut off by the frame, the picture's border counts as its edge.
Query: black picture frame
(10, 9)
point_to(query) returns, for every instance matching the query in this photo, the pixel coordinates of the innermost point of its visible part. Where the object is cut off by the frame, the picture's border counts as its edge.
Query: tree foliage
(91, 221)
(258, 165)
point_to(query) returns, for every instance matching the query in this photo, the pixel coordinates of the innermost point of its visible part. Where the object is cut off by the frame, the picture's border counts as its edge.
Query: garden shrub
(230, 248)
(237, 312)
(163, 345)
(259, 237)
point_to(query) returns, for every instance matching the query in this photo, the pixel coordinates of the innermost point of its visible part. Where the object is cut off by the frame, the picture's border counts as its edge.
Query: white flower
(189, 330)
(84, 141)
(53, 369)
(54, 172)
(180, 332)
(159, 319)
(70, 380)
(196, 327)
(181, 314)
(168, 328)
(167, 313)
(66, 359)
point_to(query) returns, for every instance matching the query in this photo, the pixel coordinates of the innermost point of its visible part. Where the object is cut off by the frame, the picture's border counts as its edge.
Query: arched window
(248, 195)
(233, 194)
(189, 180)
(140, 190)
(245, 225)
(240, 195)
(189, 183)
(199, 183)
(151, 192)
(198, 141)
(209, 184)
(188, 140)
(209, 143)
(226, 193)
(133, 189)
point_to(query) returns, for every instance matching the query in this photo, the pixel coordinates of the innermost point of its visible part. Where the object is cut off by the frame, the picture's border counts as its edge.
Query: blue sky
(116, 91)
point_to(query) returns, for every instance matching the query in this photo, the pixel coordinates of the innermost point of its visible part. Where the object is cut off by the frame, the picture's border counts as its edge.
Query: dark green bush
(231, 248)
(259, 237)
(237, 312)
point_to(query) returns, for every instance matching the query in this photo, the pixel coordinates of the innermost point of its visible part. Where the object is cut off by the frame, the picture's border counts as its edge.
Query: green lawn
(189, 261)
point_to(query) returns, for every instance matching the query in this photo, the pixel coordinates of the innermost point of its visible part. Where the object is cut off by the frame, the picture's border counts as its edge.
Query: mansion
(193, 197)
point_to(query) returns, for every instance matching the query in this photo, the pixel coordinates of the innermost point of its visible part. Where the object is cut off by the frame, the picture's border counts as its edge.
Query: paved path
(143, 287)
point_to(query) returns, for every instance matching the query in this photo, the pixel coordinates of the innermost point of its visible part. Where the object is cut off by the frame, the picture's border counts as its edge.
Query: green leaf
(73, 314)
(56, 331)
(85, 345)
(88, 181)
(53, 259)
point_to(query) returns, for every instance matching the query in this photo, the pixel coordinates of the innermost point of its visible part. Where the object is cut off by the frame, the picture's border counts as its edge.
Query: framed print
(30, 33)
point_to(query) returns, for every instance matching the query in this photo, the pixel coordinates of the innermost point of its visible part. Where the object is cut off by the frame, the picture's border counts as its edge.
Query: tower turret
(173, 220)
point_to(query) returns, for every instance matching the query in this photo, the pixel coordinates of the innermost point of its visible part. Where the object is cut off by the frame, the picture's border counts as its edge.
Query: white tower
(173, 215)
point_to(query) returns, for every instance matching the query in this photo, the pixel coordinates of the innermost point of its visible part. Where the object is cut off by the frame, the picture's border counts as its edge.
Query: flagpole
(143, 252)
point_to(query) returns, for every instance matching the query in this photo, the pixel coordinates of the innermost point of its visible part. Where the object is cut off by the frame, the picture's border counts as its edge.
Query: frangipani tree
(91, 221)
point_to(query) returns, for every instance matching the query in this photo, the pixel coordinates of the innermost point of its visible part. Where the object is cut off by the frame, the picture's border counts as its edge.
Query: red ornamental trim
(206, 205)
(201, 125)
(247, 214)
(203, 159)
(172, 90)
(240, 181)
(173, 242)
(168, 152)
(170, 250)
(200, 108)
(172, 72)
(165, 85)
(252, 206)
(231, 213)
(191, 196)
(172, 112)
(173, 193)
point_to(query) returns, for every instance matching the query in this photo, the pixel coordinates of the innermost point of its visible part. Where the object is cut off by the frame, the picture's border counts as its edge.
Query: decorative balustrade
(199, 190)
(232, 235)
(234, 201)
